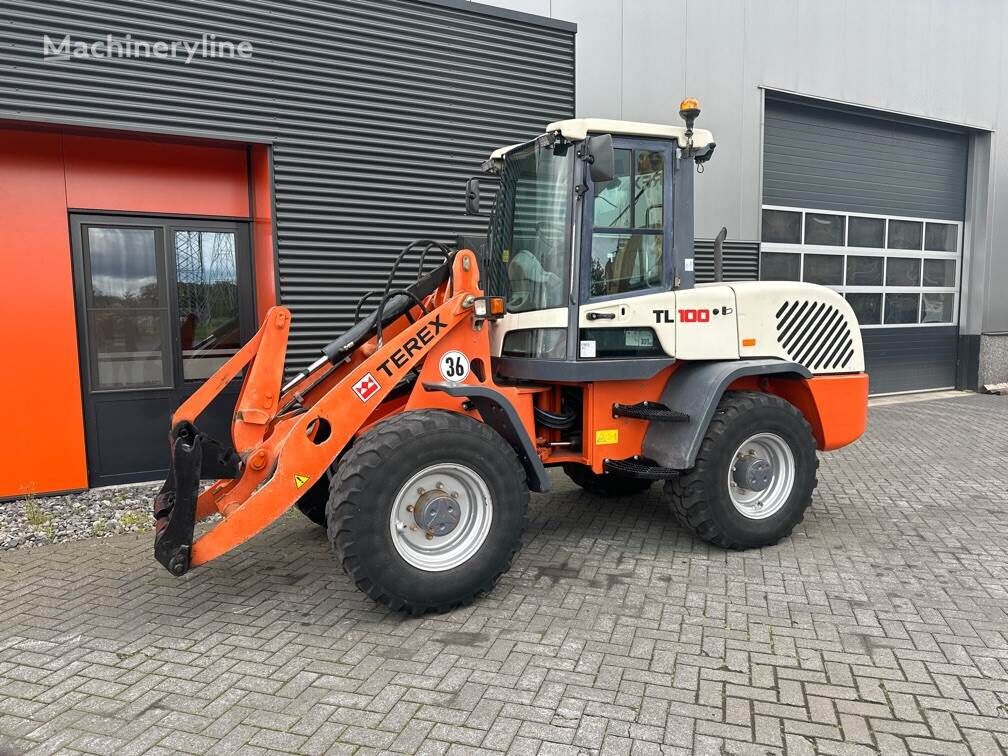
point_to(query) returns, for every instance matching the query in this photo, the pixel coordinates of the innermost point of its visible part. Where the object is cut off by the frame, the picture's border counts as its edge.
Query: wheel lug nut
(420, 491)
(454, 494)
(410, 508)
(440, 486)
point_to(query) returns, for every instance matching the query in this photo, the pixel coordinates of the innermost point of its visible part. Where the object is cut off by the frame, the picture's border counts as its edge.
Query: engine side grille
(815, 334)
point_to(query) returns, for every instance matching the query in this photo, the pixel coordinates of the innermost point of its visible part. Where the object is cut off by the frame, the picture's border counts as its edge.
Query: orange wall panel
(263, 253)
(44, 174)
(138, 175)
(41, 420)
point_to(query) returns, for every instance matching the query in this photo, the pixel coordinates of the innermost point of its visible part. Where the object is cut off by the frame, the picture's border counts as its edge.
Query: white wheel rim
(771, 449)
(441, 517)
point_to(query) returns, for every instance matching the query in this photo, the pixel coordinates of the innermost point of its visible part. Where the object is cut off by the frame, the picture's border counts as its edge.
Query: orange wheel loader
(574, 337)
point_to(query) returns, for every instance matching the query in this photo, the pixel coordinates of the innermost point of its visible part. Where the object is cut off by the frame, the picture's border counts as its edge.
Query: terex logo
(366, 387)
(401, 356)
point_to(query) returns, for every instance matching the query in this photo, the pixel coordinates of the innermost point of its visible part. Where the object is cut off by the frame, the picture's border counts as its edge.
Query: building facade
(168, 172)
(857, 145)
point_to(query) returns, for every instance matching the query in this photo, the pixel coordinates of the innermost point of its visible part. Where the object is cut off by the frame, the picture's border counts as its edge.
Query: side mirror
(603, 158)
(472, 196)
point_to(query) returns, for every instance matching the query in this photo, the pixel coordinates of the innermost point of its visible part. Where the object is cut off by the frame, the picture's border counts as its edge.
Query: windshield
(528, 252)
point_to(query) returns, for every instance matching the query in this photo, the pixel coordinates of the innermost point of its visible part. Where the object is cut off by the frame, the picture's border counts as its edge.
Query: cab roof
(577, 129)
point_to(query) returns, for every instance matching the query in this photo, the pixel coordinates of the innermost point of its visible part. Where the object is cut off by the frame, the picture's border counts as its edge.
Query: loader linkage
(195, 457)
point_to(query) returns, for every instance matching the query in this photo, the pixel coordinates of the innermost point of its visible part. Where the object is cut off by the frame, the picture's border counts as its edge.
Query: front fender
(498, 412)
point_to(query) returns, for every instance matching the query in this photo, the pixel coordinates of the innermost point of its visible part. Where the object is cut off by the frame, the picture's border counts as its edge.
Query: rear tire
(709, 501)
(606, 484)
(435, 473)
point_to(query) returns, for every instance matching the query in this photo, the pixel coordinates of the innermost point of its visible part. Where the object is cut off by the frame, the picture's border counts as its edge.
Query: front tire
(426, 510)
(754, 474)
(313, 504)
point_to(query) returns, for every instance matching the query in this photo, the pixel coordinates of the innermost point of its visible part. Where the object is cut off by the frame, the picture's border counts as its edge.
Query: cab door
(626, 273)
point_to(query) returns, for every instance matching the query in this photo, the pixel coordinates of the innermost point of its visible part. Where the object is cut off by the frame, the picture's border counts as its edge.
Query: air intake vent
(815, 334)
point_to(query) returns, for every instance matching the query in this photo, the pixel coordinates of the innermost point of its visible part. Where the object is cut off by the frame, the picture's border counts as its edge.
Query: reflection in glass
(123, 267)
(903, 271)
(126, 309)
(901, 308)
(625, 262)
(781, 227)
(905, 234)
(939, 272)
(864, 271)
(865, 232)
(826, 270)
(207, 300)
(649, 188)
(128, 348)
(937, 308)
(941, 237)
(824, 229)
(612, 199)
(867, 308)
(780, 266)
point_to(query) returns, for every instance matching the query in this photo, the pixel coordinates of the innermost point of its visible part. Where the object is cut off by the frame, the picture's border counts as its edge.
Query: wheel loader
(576, 337)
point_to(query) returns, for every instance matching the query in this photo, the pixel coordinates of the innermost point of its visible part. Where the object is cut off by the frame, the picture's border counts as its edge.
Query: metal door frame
(164, 226)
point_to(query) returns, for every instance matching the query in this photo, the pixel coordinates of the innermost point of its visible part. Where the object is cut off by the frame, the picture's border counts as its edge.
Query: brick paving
(880, 625)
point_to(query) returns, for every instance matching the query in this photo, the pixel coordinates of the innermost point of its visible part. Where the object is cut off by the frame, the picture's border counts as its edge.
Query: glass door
(162, 303)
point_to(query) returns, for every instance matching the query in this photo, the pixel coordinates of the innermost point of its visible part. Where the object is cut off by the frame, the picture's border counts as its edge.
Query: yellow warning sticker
(300, 480)
(609, 436)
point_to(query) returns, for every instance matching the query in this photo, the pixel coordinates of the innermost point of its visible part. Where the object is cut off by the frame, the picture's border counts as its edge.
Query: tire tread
(687, 494)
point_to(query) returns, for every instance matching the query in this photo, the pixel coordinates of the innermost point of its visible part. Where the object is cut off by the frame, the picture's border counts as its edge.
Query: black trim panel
(578, 371)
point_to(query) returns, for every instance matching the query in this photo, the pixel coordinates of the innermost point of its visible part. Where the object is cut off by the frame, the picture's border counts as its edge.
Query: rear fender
(696, 388)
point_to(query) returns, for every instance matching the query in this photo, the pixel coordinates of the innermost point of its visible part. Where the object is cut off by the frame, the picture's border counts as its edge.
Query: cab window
(628, 225)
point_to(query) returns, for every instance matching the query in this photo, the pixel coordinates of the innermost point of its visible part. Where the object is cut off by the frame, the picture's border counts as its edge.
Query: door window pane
(123, 264)
(612, 199)
(824, 229)
(780, 266)
(649, 188)
(127, 309)
(941, 237)
(864, 271)
(781, 226)
(207, 300)
(129, 348)
(939, 272)
(905, 234)
(867, 308)
(937, 308)
(901, 308)
(865, 232)
(823, 269)
(625, 262)
(903, 271)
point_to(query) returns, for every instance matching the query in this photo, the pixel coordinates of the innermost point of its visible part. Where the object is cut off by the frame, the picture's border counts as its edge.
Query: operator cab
(591, 230)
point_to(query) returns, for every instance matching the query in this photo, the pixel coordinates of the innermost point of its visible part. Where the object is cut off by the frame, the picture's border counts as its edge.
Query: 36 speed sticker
(454, 366)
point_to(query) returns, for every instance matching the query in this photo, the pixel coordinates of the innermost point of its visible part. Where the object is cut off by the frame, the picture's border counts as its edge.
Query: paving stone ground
(880, 625)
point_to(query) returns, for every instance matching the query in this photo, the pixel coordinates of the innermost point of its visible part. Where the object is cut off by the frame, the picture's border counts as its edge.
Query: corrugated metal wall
(829, 159)
(740, 261)
(379, 110)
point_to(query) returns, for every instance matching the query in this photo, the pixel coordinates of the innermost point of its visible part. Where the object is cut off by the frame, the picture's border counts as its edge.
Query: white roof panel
(576, 129)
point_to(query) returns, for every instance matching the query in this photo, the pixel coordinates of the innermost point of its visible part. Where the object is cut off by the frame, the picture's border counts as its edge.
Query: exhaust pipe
(719, 254)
